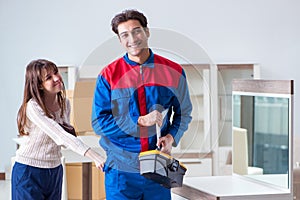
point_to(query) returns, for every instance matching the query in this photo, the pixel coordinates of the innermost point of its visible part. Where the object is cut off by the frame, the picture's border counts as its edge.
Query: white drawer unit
(197, 166)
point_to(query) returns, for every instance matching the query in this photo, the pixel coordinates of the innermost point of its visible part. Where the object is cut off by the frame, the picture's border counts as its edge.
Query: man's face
(134, 38)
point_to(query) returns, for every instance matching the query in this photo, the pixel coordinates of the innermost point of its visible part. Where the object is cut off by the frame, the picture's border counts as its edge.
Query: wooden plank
(2, 176)
(198, 66)
(263, 86)
(86, 181)
(191, 193)
(234, 66)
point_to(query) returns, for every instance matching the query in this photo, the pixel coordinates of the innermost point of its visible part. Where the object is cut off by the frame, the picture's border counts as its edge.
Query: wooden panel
(86, 181)
(235, 66)
(198, 66)
(2, 176)
(219, 66)
(264, 86)
(191, 193)
(98, 184)
(74, 181)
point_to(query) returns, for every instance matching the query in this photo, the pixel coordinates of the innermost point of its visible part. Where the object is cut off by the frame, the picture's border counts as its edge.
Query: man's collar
(148, 63)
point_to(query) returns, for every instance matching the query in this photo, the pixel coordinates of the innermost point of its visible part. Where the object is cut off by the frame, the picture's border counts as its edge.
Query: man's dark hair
(128, 15)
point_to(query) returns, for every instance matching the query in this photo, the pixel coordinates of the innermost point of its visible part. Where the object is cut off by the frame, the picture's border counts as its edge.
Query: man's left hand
(166, 143)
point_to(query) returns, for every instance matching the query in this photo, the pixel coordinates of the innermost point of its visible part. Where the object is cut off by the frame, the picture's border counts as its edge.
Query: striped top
(42, 147)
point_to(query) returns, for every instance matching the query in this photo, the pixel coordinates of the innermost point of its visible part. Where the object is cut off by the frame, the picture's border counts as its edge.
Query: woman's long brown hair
(34, 90)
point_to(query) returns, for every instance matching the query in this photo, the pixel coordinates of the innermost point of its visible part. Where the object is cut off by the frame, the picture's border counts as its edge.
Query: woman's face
(52, 82)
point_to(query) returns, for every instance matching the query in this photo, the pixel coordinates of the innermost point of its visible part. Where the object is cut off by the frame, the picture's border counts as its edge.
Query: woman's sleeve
(50, 127)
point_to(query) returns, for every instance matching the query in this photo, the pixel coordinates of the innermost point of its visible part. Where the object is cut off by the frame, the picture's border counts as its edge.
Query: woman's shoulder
(33, 106)
(32, 102)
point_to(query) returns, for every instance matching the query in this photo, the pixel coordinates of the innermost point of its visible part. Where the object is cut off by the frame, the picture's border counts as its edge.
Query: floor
(5, 191)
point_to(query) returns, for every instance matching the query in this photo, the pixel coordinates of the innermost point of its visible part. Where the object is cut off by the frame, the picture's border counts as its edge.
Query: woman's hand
(96, 157)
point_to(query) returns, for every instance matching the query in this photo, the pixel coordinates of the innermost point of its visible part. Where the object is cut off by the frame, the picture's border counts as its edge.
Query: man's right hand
(152, 118)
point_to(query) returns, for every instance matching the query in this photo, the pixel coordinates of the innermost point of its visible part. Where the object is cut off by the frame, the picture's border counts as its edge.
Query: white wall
(66, 32)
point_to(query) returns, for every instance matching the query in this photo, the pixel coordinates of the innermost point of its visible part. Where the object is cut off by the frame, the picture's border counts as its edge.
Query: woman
(37, 173)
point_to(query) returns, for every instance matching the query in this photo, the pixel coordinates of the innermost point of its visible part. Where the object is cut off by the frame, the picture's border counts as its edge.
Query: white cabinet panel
(197, 167)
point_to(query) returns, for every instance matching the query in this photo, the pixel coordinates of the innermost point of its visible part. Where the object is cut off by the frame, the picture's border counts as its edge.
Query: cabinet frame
(212, 106)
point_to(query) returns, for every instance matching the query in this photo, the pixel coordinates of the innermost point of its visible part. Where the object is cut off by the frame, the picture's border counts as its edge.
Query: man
(130, 95)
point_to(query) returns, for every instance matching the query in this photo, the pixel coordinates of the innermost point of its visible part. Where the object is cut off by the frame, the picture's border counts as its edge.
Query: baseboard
(2, 176)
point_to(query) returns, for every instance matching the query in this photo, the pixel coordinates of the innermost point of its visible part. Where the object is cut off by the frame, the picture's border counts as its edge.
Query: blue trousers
(122, 185)
(33, 183)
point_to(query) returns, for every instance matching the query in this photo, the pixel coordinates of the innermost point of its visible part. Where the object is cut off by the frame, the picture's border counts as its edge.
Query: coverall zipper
(141, 72)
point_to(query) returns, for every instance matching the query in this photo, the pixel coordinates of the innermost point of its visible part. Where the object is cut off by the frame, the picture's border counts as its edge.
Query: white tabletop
(222, 186)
